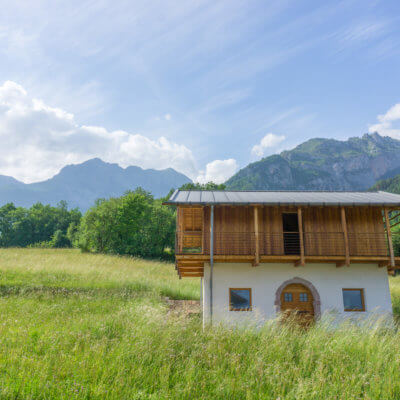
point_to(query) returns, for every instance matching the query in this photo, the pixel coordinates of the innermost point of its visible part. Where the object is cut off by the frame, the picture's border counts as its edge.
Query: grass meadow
(83, 326)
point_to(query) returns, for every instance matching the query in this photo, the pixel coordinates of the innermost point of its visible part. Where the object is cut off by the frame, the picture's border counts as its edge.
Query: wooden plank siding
(271, 231)
(366, 231)
(323, 232)
(234, 231)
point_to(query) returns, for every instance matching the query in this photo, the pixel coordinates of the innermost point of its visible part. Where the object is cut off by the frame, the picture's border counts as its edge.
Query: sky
(201, 86)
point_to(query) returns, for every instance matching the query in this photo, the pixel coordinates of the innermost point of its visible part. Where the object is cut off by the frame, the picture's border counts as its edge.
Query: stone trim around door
(309, 285)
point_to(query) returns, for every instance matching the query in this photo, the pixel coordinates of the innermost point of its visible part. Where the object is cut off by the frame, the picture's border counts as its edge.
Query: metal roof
(312, 198)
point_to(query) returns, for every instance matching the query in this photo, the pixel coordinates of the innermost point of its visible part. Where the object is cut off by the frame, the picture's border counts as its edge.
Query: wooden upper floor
(285, 233)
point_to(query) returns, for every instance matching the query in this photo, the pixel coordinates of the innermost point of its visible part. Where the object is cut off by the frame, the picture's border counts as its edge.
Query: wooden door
(297, 304)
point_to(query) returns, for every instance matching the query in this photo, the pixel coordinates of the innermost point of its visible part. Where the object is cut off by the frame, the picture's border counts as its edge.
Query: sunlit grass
(81, 326)
(71, 269)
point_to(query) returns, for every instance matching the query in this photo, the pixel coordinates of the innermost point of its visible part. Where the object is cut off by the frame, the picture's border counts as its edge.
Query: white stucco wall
(265, 279)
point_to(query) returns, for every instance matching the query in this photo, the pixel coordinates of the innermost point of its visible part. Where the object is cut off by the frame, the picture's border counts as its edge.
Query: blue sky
(202, 86)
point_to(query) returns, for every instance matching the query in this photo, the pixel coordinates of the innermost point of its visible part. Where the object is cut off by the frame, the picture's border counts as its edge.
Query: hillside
(81, 184)
(84, 326)
(391, 185)
(324, 164)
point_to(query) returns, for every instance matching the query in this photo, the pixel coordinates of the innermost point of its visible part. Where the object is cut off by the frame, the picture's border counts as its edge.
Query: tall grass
(76, 326)
(71, 269)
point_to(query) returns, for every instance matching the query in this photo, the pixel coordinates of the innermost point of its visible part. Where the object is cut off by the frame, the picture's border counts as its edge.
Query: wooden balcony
(194, 247)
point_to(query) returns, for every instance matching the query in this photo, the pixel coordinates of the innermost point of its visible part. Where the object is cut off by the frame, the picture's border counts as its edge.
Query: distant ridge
(391, 185)
(81, 184)
(324, 164)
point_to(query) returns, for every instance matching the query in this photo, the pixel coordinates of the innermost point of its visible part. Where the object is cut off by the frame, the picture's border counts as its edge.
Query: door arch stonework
(309, 285)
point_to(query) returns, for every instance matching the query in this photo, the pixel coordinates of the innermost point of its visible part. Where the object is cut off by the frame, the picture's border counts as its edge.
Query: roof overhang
(284, 198)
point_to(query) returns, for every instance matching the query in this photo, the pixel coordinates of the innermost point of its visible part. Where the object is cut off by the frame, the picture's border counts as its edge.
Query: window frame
(250, 308)
(306, 297)
(291, 297)
(361, 290)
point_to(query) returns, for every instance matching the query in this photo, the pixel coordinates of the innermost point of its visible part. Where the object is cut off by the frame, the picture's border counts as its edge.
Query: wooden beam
(341, 264)
(284, 259)
(192, 275)
(191, 269)
(256, 238)
(389, 237)
(203, 232)
(298, 263)
(191, 263)
(184, 269)
(346, 235)
(301, 236)
(383, 264)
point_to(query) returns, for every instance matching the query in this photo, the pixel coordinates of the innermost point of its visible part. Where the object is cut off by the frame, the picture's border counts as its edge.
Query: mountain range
(358, 163)
(81, 184)
(324, 164)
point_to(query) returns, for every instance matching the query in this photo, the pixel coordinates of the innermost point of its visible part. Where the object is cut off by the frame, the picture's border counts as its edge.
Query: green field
(96, 327)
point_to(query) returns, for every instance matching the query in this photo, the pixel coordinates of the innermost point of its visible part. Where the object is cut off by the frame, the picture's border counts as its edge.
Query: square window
(303, 297)
(288, 297)
(353, 300)
(240, 299)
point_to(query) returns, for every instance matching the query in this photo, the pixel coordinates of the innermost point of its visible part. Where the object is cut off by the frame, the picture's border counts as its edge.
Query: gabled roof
(311, 198)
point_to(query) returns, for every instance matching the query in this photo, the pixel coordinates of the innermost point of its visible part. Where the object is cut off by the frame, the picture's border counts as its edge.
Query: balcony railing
(283, 243)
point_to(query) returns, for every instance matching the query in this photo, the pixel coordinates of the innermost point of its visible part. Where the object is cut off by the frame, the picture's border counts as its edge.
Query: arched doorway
(299, 300)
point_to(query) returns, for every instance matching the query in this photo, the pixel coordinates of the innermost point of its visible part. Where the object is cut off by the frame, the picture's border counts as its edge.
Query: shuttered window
(192, 229)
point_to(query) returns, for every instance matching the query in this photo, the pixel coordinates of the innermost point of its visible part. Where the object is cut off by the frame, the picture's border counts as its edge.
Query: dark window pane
(288, 296)
(352, 299)
(291, 238)
(240, 299)
(290, 222)
(303, 297)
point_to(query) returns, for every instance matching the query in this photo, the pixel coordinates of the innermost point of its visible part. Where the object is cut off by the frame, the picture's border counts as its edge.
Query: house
(260, 253)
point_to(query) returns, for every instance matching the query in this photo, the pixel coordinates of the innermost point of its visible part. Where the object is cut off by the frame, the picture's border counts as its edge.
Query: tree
(203, 186)
(59, 240)
(396, 242)
(6, 224)
(24, 227)
(133, 224)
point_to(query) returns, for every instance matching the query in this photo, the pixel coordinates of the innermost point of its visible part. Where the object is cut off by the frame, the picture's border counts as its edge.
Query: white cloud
(167, 117)
(389, 123)
(268, 141)
(37, 140)
(218, 171)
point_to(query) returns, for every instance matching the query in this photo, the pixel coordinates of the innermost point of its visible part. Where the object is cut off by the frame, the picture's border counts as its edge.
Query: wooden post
(211, 260)
(179, 229)
(256, 238)
(389, 237)
(346, 235)
(203, 230)
(301, 237)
